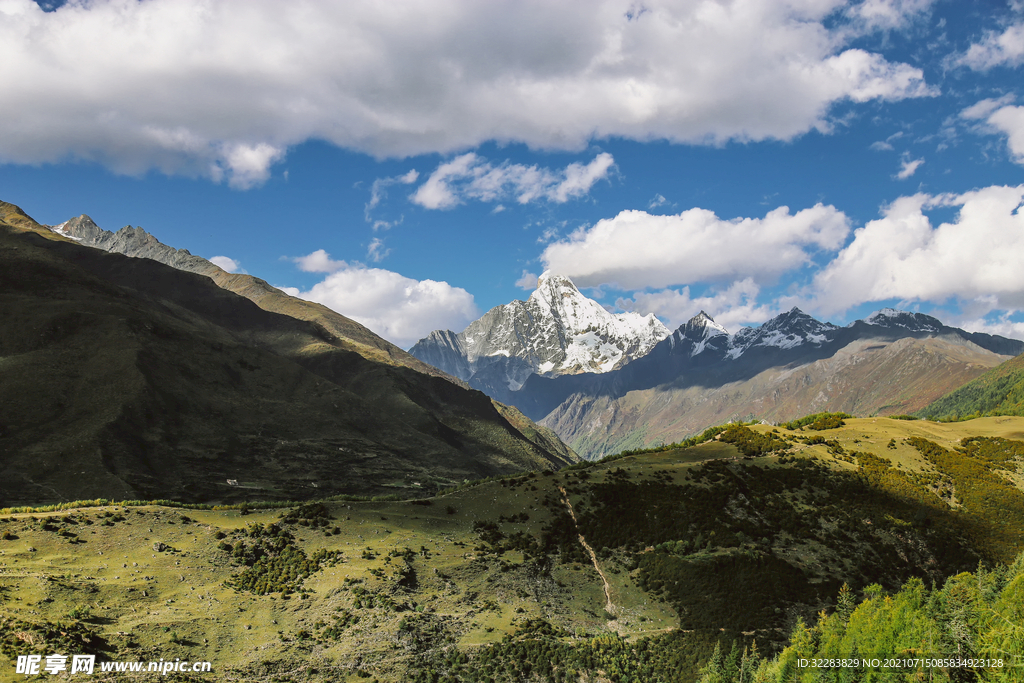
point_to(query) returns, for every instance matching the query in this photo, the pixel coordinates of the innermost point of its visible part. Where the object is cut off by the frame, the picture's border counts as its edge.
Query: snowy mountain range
(795, 329)
(792, 365)
(557, 331)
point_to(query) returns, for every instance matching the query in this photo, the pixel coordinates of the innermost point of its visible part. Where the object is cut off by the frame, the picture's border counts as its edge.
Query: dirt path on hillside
(609, 607)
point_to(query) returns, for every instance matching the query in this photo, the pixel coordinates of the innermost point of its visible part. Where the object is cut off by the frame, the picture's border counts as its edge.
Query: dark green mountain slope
(1000, 391)
(125, 378)
(348, 334)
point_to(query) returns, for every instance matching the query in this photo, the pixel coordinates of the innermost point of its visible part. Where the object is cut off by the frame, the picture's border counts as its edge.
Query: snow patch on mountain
(61, 230)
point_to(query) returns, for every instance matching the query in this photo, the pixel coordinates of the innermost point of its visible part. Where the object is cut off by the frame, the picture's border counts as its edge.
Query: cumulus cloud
(996, 49)
(999, 117)
(470, 176)
(732, 306)
(223, 89)
(635, 249)
(978, 259)
(319, 262)
(228, 264)
(1010, 122)
(398, 308)
(908, 167)
(527, 281)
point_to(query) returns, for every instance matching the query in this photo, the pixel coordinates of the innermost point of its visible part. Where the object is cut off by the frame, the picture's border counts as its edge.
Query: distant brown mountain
(126, 378)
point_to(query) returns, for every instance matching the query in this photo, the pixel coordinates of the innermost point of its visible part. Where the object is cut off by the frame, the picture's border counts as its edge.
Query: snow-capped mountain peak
(694, 335)
(891, 317)
(704, 325)
(556, 331)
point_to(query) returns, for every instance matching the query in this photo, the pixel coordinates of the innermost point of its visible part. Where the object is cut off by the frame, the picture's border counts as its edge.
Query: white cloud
(549, 233)
(527, 281)
(470, 176)
(377, 252)
(978, 259)
(999, 117)
(225, 263)
(378, 192)
(996, 49)
(1010, 121)
(984, 108)
(223, 89)
(319, 262)
(874, 15)
(1002, 326)
(731, 307)
(398, 308)
(886, 145)
(659, 200)
(908, 167)
(636, 249)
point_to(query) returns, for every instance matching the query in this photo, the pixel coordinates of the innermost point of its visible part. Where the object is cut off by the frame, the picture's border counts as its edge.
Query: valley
(268, 486)
(451, 586)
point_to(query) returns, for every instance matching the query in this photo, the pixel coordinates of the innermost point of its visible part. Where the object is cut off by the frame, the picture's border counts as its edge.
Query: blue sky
(412, 164)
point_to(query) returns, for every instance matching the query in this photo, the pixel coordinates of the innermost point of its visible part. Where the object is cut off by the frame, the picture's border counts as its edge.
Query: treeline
(974, 616)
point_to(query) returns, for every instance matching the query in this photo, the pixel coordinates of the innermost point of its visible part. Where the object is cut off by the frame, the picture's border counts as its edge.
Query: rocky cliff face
(557, 331)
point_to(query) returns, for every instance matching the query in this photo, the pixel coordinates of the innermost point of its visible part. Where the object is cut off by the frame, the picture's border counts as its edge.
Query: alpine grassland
(730, 558)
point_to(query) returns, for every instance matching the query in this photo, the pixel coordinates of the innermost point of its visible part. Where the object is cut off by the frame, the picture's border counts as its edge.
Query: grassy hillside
(627, 570)
(1000, 391)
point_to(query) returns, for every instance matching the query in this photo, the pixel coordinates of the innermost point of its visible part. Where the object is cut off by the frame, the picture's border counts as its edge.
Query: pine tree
(712, 671)
(846, 603)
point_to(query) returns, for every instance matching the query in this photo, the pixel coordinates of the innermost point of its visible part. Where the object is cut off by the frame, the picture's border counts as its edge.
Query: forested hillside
(1000, 391)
